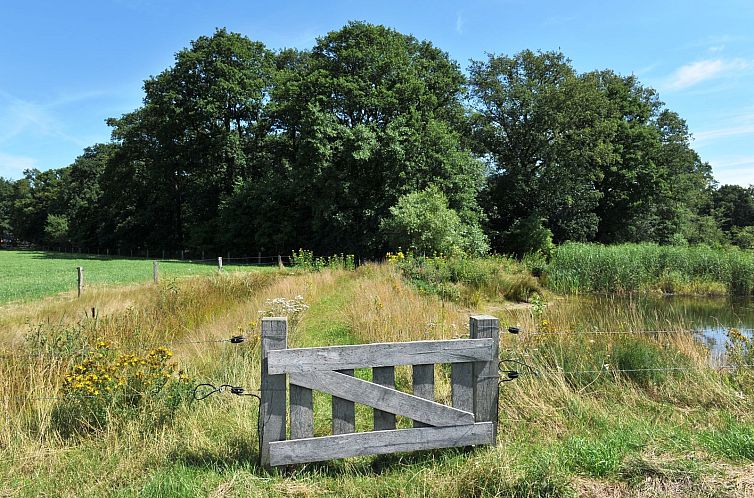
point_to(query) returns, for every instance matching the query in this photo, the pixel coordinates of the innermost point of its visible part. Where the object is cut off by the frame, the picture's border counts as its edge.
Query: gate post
(272, 419)
(486, 374)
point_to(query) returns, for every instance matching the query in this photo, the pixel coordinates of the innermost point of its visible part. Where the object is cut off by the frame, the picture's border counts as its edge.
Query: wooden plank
(343, 410)
(379, 355)
(384, 376)
(462, 386)
(378, 443)
(273, 389)
(387, 400)
(486, 375)
(423, 380)
(302, 412)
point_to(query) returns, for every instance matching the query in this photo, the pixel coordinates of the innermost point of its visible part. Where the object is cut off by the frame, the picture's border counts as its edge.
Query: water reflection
(707, 316)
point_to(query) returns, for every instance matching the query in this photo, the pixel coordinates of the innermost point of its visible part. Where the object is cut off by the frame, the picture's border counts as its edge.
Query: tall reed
(578, 267)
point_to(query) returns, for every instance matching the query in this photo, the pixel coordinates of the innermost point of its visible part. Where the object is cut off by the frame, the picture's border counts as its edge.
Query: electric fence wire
(526, 333)
(514, 373)
(236, 339)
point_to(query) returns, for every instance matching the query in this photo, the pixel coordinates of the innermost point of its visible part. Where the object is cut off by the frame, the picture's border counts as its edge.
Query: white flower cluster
(281, 306)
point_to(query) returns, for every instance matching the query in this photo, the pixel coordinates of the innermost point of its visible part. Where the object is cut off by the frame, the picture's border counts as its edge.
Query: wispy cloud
(459, 22)
(12, 166)
(19, 116)
(734, 170)
(736, 125)
(704, 70)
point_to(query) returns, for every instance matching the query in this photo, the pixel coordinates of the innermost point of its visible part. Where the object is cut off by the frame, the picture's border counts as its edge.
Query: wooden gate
(472, 419)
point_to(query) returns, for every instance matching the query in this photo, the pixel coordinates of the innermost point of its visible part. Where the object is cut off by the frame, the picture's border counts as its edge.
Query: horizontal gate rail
(317, 449)
(383, 398)
(471, 420)
(379, 355)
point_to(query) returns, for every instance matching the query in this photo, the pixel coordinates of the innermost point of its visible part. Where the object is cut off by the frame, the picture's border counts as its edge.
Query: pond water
(708, 317)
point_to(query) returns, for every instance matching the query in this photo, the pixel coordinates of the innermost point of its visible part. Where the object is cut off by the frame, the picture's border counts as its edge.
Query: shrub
(528, 235)
(107, 386)
(305, 260)
(423, 223)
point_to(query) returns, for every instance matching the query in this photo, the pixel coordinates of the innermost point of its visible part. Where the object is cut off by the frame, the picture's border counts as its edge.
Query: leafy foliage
(423, 223)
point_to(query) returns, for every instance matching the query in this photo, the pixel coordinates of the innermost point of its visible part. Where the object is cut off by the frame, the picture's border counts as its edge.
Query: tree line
(373, 140)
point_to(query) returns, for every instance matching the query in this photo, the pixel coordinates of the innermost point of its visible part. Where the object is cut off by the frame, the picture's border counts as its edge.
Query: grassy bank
(579, 427)
(28, 275)
(468, 280)
(584, 268)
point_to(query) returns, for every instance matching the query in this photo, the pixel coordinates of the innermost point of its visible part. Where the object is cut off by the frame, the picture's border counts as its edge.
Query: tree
(6, 206)
(593, 155)
(370, 115)
(541, 127)
(195, 137)
(423, 223)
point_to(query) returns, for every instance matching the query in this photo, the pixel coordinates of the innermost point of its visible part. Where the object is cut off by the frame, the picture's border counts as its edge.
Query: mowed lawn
(27, 275)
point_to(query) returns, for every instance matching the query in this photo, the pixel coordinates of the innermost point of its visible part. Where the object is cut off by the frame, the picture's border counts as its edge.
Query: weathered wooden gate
(472, 419)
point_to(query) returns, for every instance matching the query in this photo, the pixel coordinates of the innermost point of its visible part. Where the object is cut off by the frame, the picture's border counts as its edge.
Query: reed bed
(585, 268)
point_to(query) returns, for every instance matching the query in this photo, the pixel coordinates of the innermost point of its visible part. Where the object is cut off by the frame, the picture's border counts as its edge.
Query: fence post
(156, 272)
(486, 375)
(272, 416)
(219, 262)
(280, 261)
(80, 273)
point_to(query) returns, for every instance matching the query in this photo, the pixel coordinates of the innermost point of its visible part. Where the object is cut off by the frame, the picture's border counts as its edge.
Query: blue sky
(66, 66)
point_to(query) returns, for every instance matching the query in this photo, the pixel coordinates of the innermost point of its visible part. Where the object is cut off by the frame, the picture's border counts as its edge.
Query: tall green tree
(372, 114)
(542, 128)
(195, 138)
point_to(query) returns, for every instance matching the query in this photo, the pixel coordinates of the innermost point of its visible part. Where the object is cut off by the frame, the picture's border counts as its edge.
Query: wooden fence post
(280, 261)
(219, 262)
(486, 375)
(272, 416)
(80, 273)
(156, 272)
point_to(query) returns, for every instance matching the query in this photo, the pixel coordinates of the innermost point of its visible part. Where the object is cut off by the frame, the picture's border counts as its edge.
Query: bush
(305, 260)
(528, 236)
(423, 223)
(107, 387)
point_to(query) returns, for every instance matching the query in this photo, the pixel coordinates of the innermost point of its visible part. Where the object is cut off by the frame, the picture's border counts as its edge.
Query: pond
(708, 317)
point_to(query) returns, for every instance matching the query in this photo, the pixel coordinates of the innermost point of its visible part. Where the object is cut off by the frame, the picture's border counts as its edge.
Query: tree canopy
(372, 139)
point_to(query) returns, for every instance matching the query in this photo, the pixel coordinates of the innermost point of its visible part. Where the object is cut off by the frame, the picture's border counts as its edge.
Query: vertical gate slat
(343, 413)
(384, 376)
(423, 380)
(461, 378)
(486, 374)
(272, 409)
(302, 412)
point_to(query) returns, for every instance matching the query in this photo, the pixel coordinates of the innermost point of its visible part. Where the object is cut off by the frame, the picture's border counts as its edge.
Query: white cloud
(12, 166)
(459, 23)
(704, 70)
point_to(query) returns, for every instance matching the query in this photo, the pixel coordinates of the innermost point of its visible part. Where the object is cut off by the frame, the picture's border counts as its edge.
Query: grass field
(561, 434)
(32, 274)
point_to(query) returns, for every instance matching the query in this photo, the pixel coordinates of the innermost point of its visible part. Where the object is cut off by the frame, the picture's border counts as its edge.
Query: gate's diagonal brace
(382, 398)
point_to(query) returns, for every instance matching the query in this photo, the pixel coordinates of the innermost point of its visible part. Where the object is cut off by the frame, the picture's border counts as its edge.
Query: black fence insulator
(513, 330)
(237, 390)
(237, 339)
